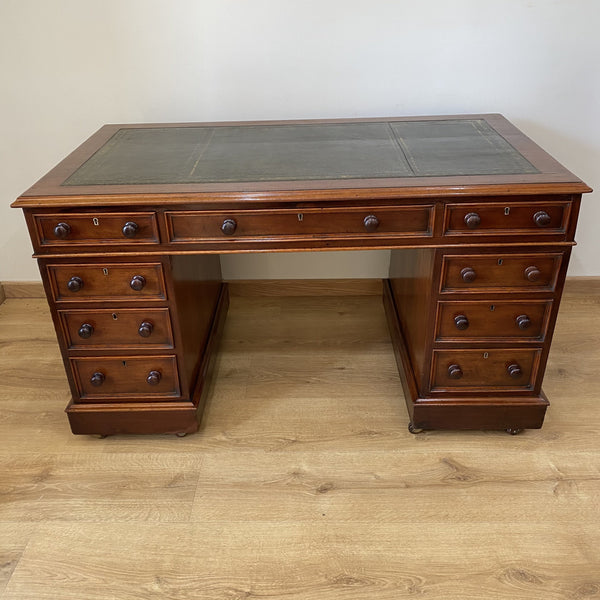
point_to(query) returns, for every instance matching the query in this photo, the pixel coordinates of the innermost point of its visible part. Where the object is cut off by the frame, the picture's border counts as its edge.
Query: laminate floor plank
(318, 561)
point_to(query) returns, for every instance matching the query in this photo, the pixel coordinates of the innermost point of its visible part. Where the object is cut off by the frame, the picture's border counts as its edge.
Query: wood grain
(303, 481)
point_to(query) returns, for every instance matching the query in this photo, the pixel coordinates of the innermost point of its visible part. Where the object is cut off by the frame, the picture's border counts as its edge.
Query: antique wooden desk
(128, 230)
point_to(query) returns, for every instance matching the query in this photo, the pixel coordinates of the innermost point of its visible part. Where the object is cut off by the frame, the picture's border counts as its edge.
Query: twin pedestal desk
(480, 221)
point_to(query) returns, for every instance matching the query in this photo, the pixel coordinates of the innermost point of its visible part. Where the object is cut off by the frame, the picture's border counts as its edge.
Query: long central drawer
(198, 226)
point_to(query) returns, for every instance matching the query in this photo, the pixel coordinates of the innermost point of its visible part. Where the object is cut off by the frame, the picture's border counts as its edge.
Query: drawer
(120, 328)
(492, 321)
(186, 226)
(119, 281)
(484, 370)
(505, 218)
(500, 273)
(72, 229)
(122, 377)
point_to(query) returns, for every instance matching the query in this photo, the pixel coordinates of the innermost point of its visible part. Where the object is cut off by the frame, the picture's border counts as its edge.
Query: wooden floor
(303, 482)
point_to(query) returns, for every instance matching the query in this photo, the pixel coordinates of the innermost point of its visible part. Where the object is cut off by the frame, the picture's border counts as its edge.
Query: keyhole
(492, 307)
(114, 316)
(507, 210)
(300, 217)
(105, 271)
(486, 355)
(500, 261)
(95, 221)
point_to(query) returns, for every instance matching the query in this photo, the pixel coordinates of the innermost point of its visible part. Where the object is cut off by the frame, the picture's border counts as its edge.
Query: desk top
(415, 156)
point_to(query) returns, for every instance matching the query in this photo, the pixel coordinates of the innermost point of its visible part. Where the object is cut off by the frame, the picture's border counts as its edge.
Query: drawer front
(504, 218)
(500, 273)
(71, 229)
(492, 321)
(119, 378)
(198, 226)
(120, 281)
(484, 370)
(120, 328)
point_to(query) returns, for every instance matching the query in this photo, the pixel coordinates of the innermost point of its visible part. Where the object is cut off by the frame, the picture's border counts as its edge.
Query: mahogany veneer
(127, 231)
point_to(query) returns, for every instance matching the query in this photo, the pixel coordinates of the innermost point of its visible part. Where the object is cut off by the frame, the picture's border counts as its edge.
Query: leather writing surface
(371, 150)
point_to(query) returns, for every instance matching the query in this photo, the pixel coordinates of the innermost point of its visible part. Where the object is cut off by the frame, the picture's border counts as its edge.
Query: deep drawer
(504, 218)
(119, 281)
(492, 321)
(484, 370)
(198, 226)
(120, 328)
(500, 273)
(119, 378)
(71, 229)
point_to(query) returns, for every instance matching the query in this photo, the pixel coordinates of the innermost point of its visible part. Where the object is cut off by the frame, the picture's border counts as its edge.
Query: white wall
(69, 66)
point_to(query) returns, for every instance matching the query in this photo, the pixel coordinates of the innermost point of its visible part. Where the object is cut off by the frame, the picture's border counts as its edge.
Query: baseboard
(21, 289)
(305, 287)
(290, 287)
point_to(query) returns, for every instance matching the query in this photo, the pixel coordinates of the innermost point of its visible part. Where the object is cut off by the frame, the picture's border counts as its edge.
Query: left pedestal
(137, 339)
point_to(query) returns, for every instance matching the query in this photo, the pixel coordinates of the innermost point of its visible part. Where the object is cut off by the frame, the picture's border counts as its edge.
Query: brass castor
(181, 434)
(414, 430)
(513, 431)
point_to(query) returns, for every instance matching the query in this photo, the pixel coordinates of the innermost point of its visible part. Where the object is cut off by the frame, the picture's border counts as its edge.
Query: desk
(128, 230)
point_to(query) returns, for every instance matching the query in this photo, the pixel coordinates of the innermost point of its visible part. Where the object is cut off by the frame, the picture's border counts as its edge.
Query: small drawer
(492, 321)
(500, 273)
(72, 229)
(119, 281)
(504, 218)
(119, 378)
(484, 370)
(199, 226)
(120, 328)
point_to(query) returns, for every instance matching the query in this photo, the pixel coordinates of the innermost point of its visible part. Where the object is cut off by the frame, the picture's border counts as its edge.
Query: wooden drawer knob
(97, 378)
(229, 226)
(62, 231)
(145, 329)
(472, 220)
(468, 275)
(455, 372)
(523, 322)
(153, 378)
(542, 218)
(137, 283)
(371, 223)
(75, 284)
(461, 322)
(514, 370)
(532, 273)
(85, 331)
(130, 229)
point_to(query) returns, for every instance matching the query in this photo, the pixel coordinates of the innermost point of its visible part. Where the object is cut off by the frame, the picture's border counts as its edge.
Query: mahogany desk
(128, 229)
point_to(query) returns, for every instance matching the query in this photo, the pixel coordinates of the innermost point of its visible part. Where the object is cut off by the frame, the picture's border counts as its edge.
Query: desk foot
(513, 430)
(414, 430)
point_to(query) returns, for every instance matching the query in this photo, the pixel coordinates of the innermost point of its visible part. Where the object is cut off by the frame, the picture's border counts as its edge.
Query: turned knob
(523, 321)
(130, 229)
(153, 378)
(229, 226)
(137, 283)
(472, 220)
(371, 222)
(75, 284)
(145, 329)
(455, 372)
(532, 273)
(85, 331)
(514, 370)
(468, 275)
(542, 218)
(62, 230)
(97, 378)
(461, 322)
